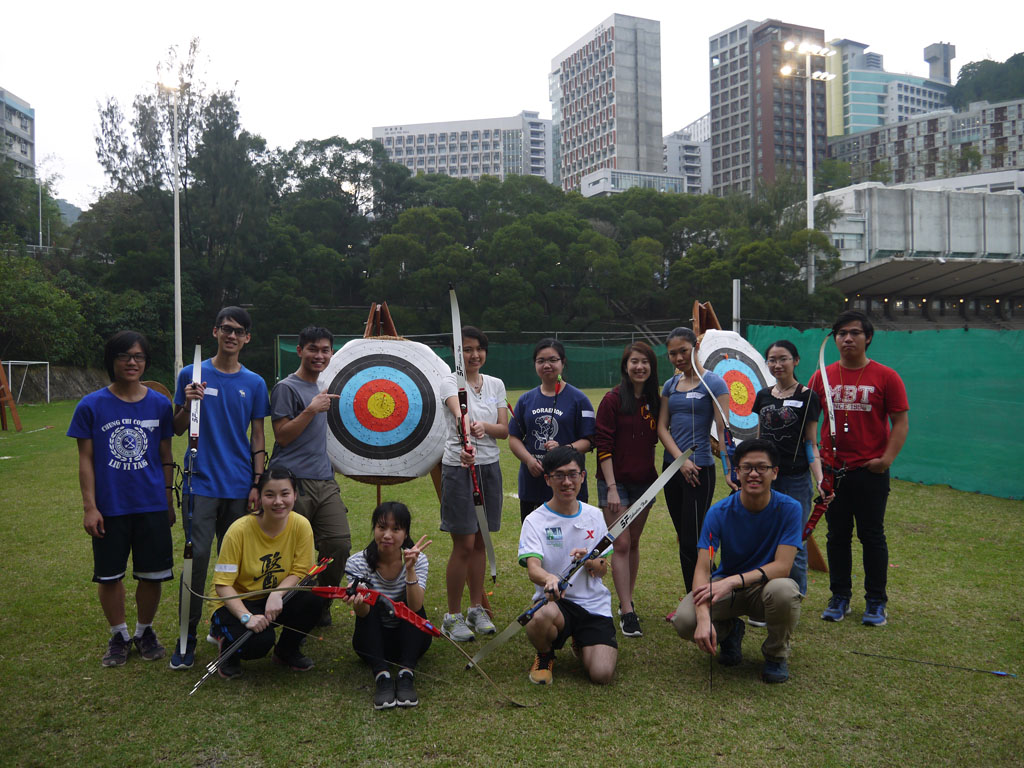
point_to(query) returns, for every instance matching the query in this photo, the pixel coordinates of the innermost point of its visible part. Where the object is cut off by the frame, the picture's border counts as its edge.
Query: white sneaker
(454, 625)
(479, 621)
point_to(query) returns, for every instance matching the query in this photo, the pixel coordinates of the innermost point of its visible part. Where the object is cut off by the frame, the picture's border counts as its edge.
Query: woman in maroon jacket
(627, 432)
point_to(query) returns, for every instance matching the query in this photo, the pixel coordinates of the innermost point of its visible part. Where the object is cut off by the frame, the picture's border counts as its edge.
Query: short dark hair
(555, 344)
(757, 444)
(787, 345)
(472, 332)
(312, 333)
(855, 316)
(277, 473)
(560, 456)
(120, 342)
(237, 314)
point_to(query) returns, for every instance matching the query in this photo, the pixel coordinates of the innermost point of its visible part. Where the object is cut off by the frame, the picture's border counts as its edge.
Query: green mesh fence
(965, 429)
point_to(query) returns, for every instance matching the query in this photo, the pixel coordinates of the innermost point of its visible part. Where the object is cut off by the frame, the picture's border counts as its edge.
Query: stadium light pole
(175, 92)
(808, 50)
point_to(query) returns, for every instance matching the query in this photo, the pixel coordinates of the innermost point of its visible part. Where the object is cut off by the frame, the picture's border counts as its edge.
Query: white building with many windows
(18, 133)
(606, 101)
(687, 154)
(502, 146)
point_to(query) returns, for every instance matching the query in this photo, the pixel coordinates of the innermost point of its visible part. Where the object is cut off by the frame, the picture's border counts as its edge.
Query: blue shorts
(628, 493)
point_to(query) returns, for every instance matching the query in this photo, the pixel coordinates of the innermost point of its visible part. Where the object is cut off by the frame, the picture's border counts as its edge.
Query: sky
(307, 70)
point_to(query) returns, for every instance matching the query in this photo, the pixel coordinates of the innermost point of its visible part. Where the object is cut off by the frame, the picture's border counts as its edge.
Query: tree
(831, 174)
(989, 81)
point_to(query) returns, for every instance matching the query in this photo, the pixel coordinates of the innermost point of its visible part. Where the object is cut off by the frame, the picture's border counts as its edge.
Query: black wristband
(764, 576)
(743, 582)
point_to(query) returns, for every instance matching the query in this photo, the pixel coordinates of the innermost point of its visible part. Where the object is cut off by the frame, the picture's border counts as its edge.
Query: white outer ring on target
(427, 453)
(714, 340)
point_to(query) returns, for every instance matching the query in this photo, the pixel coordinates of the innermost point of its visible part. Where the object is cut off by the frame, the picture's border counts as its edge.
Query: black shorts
(147, 535)
(584, 627)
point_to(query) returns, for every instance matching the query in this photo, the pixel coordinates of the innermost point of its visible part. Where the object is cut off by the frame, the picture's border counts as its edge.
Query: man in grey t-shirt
(298, 412)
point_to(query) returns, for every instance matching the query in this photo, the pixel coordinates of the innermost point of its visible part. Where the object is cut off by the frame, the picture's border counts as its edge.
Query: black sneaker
(117, 651)
(149, 647)
(731, 647)
(405, 691)
(384, 696)
(293, 659)
(230, 667)
(630, 625)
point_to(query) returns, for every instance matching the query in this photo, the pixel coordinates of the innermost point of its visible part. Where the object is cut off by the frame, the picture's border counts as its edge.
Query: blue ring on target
(721, 361)
(371, 437)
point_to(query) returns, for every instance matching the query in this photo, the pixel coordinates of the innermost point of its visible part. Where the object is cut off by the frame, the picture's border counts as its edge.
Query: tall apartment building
(941, 144)
(863, 95)
(758, 116)
(687, 154)
(606, 101)
(503, 146)
(18, 133)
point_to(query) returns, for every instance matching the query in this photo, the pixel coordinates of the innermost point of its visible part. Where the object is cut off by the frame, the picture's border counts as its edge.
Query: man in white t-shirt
(555, 534)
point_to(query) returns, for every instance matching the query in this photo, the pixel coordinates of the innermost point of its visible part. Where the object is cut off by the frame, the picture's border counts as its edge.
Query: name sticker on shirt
(793, 403)
(211, 391)
(149, 423)
(694, 395)
(226, 568)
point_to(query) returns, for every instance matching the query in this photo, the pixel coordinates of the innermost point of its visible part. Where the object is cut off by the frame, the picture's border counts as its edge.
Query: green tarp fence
(966, 430)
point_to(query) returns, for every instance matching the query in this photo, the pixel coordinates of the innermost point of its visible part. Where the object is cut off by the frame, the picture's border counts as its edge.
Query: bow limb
(831, 474)
(726, 441)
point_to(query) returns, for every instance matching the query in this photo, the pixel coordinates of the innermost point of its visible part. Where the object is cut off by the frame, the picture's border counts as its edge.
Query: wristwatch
(244, 618)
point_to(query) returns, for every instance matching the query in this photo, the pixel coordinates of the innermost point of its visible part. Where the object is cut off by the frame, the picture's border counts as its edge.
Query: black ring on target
(743, 376)
(398, 439)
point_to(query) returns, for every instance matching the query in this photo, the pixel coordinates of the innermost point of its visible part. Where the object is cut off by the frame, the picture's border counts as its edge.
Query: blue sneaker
(775, 671)
(732, 646)
(185, 660)
(837, 610)
(875, 614)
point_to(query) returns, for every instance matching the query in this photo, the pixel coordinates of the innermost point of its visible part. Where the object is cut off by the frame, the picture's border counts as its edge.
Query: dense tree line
(316, 232)
(990, 81)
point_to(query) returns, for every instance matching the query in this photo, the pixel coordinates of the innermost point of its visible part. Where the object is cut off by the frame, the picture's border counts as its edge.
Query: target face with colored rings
(730, 356)
(387, 420)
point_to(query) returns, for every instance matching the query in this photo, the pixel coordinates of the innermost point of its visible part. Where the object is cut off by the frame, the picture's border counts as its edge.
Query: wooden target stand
(7, 401)
(705, 319)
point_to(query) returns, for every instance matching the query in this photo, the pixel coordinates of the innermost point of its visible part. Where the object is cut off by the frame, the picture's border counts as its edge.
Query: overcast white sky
(312, 70)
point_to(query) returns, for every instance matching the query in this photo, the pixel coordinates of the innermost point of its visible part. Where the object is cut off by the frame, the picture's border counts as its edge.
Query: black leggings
(380, 641)
(300, 612)
(686, 506)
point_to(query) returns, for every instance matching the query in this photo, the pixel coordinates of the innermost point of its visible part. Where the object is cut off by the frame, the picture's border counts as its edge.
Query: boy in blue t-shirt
(758, 531)
(125, 474)
(231, 452)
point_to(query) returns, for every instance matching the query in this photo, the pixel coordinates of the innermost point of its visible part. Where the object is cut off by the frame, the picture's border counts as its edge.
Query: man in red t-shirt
(867, 397)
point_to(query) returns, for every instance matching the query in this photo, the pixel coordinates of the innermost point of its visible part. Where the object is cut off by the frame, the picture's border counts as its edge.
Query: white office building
(606, 101)
(503, 146)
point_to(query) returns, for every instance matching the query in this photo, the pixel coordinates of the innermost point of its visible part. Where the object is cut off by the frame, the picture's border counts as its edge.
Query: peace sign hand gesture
(412, 554)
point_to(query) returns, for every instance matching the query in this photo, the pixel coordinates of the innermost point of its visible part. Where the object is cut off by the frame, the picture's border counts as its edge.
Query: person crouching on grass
(397, 568)
(758, 532)
(556, 533)
(263, 550)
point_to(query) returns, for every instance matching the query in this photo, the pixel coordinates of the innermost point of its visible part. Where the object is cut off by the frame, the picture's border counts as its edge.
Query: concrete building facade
(504, 146)
(609, 181)
(937, 145)
(18, 134)
(605, 92)
(757, 115)
(689, 157)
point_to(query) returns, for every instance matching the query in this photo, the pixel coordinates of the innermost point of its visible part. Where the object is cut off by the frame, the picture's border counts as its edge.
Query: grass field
(955, 577)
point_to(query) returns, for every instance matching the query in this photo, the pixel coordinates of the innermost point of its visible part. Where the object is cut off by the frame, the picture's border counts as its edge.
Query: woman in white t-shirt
(487, 419)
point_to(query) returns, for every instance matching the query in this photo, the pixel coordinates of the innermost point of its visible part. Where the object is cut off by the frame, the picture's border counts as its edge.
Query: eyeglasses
(232, 330)
(124, 357)
(774, 360)
(761, 469)
(548, 360)
(561, 477)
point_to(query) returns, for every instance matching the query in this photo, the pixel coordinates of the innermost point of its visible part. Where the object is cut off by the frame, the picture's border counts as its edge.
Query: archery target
(730, 356)
(388, 420)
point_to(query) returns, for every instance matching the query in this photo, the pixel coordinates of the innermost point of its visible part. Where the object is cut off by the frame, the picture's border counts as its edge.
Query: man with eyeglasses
(758, 532)
(872, 422)
(558, 532)
(231, 453)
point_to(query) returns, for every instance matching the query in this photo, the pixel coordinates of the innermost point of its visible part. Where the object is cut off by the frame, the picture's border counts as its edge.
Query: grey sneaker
(479, 622)
(454, 625)
(117, 651)
(149, 647)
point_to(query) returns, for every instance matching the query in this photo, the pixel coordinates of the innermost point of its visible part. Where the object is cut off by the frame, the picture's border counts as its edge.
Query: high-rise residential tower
(18, 133)
(606, 101)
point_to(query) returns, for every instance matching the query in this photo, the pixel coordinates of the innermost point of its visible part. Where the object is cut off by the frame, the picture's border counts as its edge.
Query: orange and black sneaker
(540, 672)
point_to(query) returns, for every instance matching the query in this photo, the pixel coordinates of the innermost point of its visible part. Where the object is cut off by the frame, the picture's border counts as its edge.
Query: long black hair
(651, 391)
(400, 515)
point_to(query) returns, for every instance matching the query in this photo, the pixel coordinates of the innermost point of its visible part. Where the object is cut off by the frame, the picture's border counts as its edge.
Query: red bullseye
(741, 393)
(380, 405)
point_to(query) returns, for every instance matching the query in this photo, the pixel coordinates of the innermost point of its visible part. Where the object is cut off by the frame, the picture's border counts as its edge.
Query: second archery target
(388, 419)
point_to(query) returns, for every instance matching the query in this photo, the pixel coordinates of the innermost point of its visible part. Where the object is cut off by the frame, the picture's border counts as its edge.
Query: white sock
(140, 628)
(123, 629)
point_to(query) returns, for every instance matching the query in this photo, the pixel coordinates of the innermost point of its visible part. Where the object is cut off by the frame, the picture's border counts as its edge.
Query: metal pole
(809, 167)
(177, 250)
(736, 305)
(39, 184)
